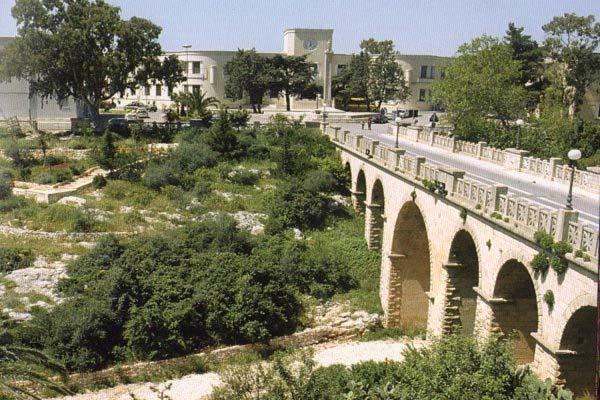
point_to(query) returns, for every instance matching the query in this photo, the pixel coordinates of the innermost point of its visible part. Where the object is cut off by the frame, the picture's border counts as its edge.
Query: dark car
(379, 119)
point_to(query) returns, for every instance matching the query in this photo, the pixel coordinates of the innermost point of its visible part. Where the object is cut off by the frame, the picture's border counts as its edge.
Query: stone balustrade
(492, 202)
(518, 160)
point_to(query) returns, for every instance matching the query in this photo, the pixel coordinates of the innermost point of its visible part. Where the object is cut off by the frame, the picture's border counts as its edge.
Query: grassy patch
(346, 238)
(391, 333)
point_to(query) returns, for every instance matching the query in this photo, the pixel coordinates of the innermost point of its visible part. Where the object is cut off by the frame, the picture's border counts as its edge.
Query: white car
(141, 112)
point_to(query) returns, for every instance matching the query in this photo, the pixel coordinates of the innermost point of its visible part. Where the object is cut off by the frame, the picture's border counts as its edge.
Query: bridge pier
(358, 201)
(374, 220)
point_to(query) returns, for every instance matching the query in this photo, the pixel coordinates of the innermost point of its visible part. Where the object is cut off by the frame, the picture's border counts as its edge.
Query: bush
(243, 177)
(549, 298)
(295, 207)
(159, 174)
(6, 187)
(99, 182)
(561, 248)
(190, 156)
(319, 181)
(540, 262)
(559, 264)
(545, 240)
(12, 259)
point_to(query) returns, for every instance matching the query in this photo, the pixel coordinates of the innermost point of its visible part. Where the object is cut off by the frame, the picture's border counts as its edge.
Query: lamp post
(398, 121)
(519, 123)
(573, 156)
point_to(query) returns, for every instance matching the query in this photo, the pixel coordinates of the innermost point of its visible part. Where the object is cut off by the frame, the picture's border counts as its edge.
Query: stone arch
(577, 353)
(375, 211)
(410, 271)
(515, 308)
(463, 276)
(359, 192)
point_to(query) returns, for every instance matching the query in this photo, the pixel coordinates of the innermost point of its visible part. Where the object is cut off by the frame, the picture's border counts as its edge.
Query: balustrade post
(357, 141)
(419, 161)
(513, 158)
(373, 146)
(432, 139)
(345, 135)
(453, 143)
(336, 129)
(324, 126)
(451, 176)
(554, 162)
(397, 154)
(497, 191)
(480, 147)
(563, 219)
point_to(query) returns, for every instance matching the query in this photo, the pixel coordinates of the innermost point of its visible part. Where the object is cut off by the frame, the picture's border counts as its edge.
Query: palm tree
(197, 103)
(20, 366)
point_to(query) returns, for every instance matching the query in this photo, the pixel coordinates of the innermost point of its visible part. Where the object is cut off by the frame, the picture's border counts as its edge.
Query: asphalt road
(534, 188)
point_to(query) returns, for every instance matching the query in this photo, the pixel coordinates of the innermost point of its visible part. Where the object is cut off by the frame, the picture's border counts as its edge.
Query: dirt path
(199, 386)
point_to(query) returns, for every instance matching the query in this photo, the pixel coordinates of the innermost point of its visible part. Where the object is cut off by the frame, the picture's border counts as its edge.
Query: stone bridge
(457, 254)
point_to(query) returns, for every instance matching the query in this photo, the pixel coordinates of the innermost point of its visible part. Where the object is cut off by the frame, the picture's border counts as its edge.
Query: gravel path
(198, 387)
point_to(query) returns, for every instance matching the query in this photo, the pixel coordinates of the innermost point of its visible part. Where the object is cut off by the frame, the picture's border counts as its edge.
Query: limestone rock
(73, 200)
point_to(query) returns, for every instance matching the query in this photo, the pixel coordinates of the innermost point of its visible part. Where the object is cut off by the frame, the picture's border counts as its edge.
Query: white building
(15, 101)
(205, 71)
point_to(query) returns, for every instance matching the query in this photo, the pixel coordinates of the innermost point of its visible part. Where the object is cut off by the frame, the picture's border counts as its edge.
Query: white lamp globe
(520, 122)
(574, 154)
(398, 120)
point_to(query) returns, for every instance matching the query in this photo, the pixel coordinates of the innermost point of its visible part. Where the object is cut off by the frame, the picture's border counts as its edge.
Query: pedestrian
(433, 119)
(369, 122)
(362, 124)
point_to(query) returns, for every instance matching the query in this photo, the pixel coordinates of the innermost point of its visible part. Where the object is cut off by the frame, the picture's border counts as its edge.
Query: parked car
(133, 105)
(153, 108)
(141, 112)
(379, 119)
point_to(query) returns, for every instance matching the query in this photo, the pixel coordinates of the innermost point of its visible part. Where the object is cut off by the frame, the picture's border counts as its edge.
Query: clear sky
(416, 27)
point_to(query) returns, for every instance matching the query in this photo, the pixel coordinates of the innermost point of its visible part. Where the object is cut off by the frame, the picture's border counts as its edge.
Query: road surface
(534, 188)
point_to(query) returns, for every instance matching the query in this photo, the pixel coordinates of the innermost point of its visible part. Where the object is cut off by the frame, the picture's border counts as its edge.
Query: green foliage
(561, 248)
(559, 264)
(289, 75)
(549, 298)
(482, 81)
(243, 177)
(91, 59)
(351, 81)
(453, 367)
(6, 186)
(319, 181)
(292, 206)
(239, 118)
(540, 262)
(544, 239)
(247, 74)
(221, 137)
(12, 259)
(99, 182)
(197, 103)
(385, 79)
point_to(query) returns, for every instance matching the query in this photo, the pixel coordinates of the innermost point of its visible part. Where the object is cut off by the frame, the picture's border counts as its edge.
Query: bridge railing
(551, 169)
(491, 201)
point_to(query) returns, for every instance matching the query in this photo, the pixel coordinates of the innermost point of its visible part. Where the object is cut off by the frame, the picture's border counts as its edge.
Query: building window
(196, 67)
(196, 89)
(422, 94)
(186, 88)
(159, 90)
(432, 72)
(147, 90)
(341, 68)
(423, 72)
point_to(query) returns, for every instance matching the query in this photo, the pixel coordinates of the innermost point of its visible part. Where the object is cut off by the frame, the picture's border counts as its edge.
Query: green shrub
(540, 262)
(159, 174)
(318, 181)
(190, 156)
(559, 264)
(201, 189)
(12, 259)
(496, 215)
(295, 207)
(544, 239)
(561, 248)
(99, 182)
(6, 187)
(549, 298)
(243, 177)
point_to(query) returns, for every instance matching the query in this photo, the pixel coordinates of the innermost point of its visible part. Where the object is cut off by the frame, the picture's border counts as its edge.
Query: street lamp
(398, 121)
(519, 123)
(573, 156)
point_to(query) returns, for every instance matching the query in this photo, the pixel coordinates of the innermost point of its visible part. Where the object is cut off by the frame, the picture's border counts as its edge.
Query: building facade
(205, 72)
(16, 101)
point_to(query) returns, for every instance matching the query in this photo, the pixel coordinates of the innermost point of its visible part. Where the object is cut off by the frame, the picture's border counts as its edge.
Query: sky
(416, 27)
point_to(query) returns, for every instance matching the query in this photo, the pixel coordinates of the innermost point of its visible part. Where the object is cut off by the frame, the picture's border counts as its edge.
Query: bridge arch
(410, 270)
(515, 308)
(375, 211)
(576, 356)
(463, 276)
(359, 192)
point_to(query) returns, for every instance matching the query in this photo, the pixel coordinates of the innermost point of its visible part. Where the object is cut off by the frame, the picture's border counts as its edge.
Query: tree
(531, 56)
(290, 75)
(247, 75)
(105, 155)
(197, 103)
(482, 82)
(83, 49)
(351, 82)
(572, 42)
(386, 78)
